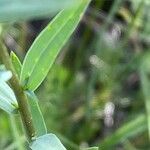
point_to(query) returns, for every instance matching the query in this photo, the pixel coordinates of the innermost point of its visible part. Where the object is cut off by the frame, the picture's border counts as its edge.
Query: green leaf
(46, 47)
(37, 116)
(47, 142)
(16, 63)
(8, 100)
(16, 10)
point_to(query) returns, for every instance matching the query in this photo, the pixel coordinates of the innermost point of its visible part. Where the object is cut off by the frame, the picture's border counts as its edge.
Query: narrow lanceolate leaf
(16, 63)
(46, 47)
(8, 100)
(37, 117)
(145, 84)
(47, 142)
(17, 10)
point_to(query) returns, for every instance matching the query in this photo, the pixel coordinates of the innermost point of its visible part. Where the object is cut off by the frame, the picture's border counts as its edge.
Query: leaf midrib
(52, 39)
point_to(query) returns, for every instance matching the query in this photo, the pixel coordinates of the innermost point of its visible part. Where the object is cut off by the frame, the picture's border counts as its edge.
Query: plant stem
(19, 92)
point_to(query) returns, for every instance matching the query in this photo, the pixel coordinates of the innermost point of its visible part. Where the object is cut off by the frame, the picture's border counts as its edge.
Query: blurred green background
(98, 91)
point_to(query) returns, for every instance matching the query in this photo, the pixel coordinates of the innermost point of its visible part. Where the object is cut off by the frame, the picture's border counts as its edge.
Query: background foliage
(96, 92)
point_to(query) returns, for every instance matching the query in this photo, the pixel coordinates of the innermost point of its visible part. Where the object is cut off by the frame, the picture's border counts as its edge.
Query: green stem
(20, 95)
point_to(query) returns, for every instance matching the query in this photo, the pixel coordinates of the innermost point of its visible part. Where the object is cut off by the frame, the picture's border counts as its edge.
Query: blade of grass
(132, 24)
(130, 129)
(129, 146)
(145, 84)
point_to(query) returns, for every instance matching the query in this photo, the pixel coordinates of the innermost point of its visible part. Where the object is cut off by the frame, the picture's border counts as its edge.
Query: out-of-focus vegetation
(98, 91)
